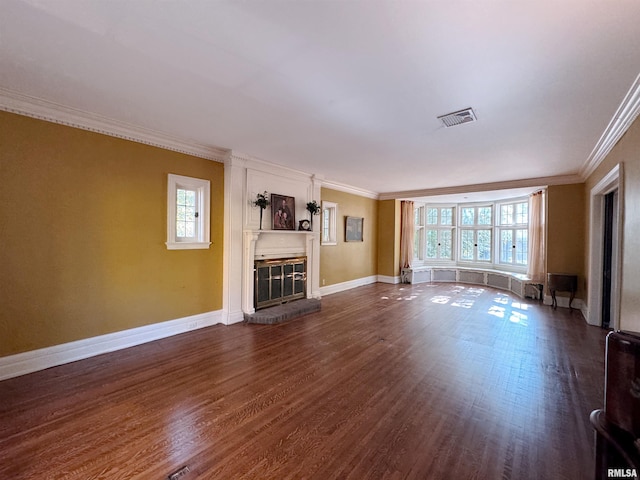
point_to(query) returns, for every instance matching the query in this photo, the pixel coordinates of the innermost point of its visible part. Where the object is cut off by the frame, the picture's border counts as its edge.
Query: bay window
(493, 235)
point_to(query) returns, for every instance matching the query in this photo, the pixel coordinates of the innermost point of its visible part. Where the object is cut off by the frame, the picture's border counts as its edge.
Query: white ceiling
(349, 90)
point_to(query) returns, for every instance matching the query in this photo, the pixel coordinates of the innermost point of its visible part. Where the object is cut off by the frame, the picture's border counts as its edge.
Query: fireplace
(279, 281)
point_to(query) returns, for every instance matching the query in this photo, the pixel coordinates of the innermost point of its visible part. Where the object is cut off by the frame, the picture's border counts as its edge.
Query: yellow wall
(566, 232)
(350, 260)
(83, 226)
(389, 238)
(626, 152)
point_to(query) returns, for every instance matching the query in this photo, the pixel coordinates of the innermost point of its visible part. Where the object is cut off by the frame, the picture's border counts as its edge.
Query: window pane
(468, 216)
(446, 244)
(484, 245)
(484, 216)
(467, 247)
(506, 214)
(432, 216)
(416, 244)
(186, 209)
(522, 213)
(432, 244)
(446, 216)
(522, 240)
(506, 246)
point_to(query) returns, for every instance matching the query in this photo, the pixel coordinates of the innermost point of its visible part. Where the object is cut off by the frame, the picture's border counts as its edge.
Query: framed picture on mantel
(284, 212)
(353, 229)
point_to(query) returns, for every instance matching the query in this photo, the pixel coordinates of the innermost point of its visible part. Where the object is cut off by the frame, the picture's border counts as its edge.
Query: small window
(188, 216)
(329, 215)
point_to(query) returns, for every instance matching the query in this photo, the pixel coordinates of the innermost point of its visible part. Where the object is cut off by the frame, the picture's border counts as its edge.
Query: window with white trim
(487, 235)
(329, 215)
(188, 212)
(476, 229)
(439, 233)
(513, 233)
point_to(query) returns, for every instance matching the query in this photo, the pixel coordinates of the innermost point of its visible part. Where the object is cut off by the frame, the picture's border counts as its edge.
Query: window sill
(187, 245)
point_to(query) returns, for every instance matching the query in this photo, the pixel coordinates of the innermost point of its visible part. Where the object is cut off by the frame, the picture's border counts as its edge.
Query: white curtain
(407, 232)
(537, 247)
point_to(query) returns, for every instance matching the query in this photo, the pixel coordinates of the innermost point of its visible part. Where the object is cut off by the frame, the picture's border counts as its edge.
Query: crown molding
(34, 107)
(627, 112)
(256, 163)
(484, 187)
(349, 189)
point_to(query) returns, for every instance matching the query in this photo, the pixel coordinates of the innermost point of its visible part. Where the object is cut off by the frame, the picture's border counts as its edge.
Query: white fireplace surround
(272, 244)
(246, 242)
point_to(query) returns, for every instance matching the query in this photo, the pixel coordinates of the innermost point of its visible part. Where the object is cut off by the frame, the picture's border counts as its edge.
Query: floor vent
(179, 473)
(458, 118)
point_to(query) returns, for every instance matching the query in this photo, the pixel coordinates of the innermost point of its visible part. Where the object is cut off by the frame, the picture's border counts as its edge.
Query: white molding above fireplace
(245, 177)
(281, 243)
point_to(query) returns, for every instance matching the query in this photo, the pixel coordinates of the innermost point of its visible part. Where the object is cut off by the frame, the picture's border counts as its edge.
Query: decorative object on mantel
(263, 202)
(304, 225)
(314, 209)
(353, 229)
(283, 212)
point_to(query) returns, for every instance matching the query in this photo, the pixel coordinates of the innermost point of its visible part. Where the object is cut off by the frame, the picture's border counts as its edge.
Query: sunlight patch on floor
(441, 299)
(519, 318)
(463, 303)
(515, 311)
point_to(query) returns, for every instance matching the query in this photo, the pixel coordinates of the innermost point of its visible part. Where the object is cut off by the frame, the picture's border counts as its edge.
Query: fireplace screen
(280, 281)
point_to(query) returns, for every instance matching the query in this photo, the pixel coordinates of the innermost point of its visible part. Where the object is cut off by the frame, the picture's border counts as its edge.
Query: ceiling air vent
(458, 118)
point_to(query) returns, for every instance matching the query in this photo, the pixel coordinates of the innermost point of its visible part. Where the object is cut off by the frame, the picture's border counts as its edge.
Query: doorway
(609, 227)
(604, 251)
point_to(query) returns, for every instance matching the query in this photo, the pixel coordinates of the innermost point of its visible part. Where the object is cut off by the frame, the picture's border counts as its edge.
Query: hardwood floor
(424, 381)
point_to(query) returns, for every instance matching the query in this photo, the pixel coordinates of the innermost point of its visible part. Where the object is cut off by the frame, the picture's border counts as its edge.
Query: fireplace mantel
(268, 244)
(245, 177)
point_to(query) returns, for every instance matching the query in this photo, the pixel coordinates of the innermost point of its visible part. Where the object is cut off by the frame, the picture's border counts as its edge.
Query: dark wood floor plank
(387, 381)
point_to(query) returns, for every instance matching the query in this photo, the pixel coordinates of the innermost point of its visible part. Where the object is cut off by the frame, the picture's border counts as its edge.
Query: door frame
(611, 182)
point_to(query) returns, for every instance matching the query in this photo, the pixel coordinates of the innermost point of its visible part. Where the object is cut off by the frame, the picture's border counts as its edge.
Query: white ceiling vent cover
(458, 118)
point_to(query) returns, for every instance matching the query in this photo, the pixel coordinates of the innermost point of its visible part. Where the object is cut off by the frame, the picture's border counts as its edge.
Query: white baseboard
(229, 318)
(563, 302)
(388, 279)
(28, 362)
(341, 287)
